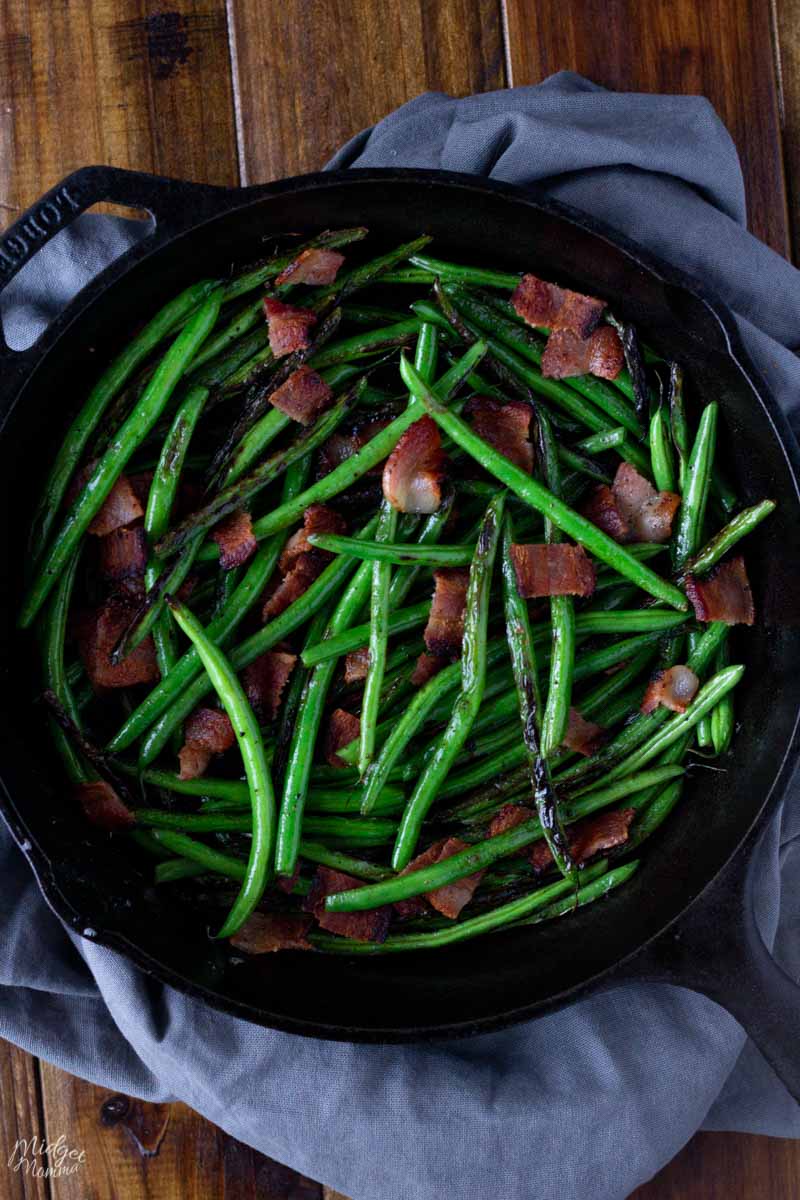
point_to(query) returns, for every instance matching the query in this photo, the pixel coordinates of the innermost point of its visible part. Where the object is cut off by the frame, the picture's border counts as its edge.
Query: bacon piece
(102, 806)
(509, 817)
(120, 507)
(588, 837)
(426, 667)
(343, 728)
(208, 731)
(724, 596)
(123, 554)
(341, 446)
(234, 536)
(450, 898)
(603, 510)
(306, 569)
(303, 396)
(566, 354)
(647, 512)
(552, 570)
(356, 665)
(317, 518)
(541, 303)
(98, 633)
(414, 470)
(505, 427)
(444, 631)
(264, 680)
(369, 926)
(263, 933)
(674, 688)
(315, 265)
(289, 326)
(582, 736)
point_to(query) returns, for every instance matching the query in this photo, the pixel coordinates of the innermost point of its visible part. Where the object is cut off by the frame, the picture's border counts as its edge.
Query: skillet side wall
(95, 883)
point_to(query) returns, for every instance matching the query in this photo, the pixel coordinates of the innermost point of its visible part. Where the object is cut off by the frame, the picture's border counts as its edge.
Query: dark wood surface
(252, 90)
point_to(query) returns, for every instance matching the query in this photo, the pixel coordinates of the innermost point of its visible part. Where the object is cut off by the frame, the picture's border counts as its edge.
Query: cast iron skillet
(686, 918)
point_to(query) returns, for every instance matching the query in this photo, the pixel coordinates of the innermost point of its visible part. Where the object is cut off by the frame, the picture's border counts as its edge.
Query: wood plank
(721, 48)
(20, 1121)
(729, 1166)
(787, 31)
(310, 73)
(112, 81)
(139, 1151)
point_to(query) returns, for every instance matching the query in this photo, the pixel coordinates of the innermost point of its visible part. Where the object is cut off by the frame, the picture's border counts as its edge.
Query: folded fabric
(590, 1101)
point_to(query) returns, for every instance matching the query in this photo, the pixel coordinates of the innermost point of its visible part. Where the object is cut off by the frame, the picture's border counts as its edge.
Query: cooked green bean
(392, 552)
(555, 717)
(598, 442)
(722, 716)
(404, 578)
(248, 735)
(473, 675)
(56, 678)
(356, 636)
(719, 545)
(378, 638)
(371, 832)
(106, 472)
(661, 451)
(329, 239)
(691, 513)
(199, 852)
(471, 276)
(399, 334)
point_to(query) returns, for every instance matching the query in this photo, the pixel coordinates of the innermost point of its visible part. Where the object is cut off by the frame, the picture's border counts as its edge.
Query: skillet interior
(94, 883)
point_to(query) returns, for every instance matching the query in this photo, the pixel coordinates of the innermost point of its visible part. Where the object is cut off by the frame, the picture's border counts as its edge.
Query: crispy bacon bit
(303, 396)
(263, 933)
(369, 926)
(264, 680)
(415, 469)
(317, 518)
(343, 728)
(566, 354)
(341, 446)
(123, 554)
(102, 806)
(541, 303)
(444, 632)
(647, 512)
(289, 326)
(306, 569)
(315, 266)
(674, 688)
(121, 507)
(356, 665)
(603, 510)
(426, 667)
(588, 837)
(552, 570)
(208, 731)
(450, 898)
(582, 736)
(234, 536)
(509, 817)
(505, 427)
(724, 596)
(98, 633)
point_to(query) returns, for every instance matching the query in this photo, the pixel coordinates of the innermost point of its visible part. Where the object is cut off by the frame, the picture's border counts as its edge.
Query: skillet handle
(173, 203)
(716, 949)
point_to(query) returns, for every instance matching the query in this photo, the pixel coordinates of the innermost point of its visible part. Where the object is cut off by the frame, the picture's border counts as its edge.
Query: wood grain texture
(310, 73)
(112, 81)
(787, 32)
(720, 48)
(729, 1166)
(139, 1151)
(20, 1120)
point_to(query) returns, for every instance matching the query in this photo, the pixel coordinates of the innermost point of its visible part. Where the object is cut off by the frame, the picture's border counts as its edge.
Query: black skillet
(686, 918)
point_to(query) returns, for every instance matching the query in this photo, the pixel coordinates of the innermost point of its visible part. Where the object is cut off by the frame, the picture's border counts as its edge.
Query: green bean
(473, 676)
(404, 578)
(198, 852)
(223, 371)
(366, 832)
(679, 723)
(698, 473)
(250, 315)
(330, 239)
(160, 501)
(393, 552)
(245, 726)
(109, 384)
(562, 616)
(648, 821)
(366, 274)
(580, 462)
(332, 647)
(316, 852)
(106, 472)
(522, 341)
(371, 314)
(321, 591)
(719, 545)
(298, 769)
(347, 349)
(236, 495)
(679, 426)
(56, 677)
(538, 497)
(633, 380)
(722, 716)
(173, 870)
(468, 276)
(661, 451)
(540, 902)
(598, 442)
(523, 660)
(378, 638)
(413, 275)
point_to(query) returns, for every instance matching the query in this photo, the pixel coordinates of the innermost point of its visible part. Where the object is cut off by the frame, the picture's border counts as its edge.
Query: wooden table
(253, 90)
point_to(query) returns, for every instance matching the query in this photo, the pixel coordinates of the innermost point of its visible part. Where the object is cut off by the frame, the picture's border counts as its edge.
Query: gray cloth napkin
(590, 1101)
